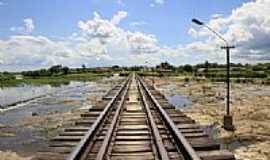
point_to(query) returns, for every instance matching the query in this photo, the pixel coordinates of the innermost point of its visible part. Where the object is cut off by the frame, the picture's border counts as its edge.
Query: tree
(83, 68)
(115, 67)
(65, 70)
(55, 69)
(165, 65)
(188, 68)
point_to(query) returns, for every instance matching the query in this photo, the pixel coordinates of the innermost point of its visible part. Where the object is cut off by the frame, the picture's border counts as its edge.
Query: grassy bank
(9, 81)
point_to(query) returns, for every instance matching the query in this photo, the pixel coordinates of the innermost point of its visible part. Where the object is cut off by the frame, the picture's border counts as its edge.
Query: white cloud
(136, 24)
(102, 42)
(29, 25)
(248, 28)
(120, 15)
(141, 43)
(216, 16)
(120, 2)
(157, 3)
(27, 28)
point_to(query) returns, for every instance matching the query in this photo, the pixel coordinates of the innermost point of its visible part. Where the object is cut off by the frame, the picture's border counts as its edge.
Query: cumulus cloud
(30, 50)
(28, 27)
(116, 19)
(142, 43)
(108, 34)
(248, 28)
(102, 41)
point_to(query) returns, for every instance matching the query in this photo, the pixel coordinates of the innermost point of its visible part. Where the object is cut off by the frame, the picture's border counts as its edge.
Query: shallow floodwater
(176, 99)
(53, 100)
(12, 95)
(179, 101)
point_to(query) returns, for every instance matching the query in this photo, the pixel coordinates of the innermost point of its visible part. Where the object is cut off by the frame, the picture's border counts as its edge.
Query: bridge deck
(134, 121)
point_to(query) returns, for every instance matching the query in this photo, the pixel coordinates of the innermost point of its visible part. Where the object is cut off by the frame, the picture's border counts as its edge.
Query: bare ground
(250, 108)
(8, 155)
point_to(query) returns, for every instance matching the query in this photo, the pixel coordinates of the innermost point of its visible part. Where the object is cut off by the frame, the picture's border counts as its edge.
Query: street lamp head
(196, 21)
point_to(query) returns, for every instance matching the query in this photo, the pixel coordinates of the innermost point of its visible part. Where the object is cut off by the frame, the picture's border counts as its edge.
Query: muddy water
(174, 98)
(15, 95)
(26, 140)
(179, 101)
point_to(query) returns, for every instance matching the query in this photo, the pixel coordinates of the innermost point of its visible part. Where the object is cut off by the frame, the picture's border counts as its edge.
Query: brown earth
(250, 107)
(12, 156)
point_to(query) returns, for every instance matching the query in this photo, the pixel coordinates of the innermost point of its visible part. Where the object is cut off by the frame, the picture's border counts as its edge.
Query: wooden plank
(72, 134)
(131, 148)
(67, 138)
(134, 138)
(216, 155)
(138, 142)
(76, 129)
(133, 127)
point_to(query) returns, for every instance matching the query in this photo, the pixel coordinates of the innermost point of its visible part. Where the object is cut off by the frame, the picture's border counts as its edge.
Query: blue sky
(168, 21)
(56, 19)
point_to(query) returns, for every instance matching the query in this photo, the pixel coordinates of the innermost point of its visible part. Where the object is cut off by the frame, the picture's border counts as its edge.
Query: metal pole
(228, 79)
(228, 119)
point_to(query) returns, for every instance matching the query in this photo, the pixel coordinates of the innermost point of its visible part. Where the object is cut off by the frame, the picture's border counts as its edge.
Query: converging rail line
(134, 121)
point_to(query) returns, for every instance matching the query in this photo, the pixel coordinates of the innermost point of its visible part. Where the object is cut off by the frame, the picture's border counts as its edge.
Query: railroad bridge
(134, 121)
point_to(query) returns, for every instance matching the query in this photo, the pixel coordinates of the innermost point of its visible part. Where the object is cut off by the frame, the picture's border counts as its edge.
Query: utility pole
(228, 119)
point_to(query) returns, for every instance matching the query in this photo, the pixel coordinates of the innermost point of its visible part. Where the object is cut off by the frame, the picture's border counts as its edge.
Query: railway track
(134, 121)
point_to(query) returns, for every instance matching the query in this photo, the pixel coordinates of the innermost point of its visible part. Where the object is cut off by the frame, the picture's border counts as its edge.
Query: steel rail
(180, 140)
(106, 142)
(78, 151)
(162, 152)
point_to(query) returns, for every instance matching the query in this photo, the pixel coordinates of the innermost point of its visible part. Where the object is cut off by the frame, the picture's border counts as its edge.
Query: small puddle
(179, 101)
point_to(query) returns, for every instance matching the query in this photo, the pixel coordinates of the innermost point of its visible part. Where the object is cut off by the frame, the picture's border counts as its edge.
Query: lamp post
(228, 119)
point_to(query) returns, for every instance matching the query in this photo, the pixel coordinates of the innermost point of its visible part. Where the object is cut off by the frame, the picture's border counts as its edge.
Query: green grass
(52, 80)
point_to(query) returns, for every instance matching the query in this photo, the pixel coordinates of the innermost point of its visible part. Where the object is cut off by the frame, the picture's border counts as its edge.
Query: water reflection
(179, 101)
(57, 100)
(13, 95)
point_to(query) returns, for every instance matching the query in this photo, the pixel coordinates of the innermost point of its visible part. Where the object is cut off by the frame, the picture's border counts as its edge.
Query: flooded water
(176, 99)
(11, 96)
(179, 101)
(27, 139)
